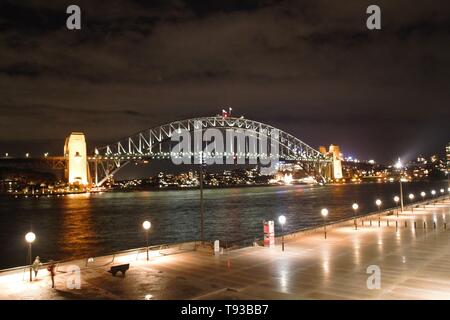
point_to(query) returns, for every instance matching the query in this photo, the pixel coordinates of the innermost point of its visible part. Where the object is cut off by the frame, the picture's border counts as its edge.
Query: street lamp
(324, 213)
(411, 198)
(355, 208)
(423, 195)
(378, 203)
(146, 225)
(399, 167)
(30, 237)
(396, 199)
(282, 221)
(442, 191)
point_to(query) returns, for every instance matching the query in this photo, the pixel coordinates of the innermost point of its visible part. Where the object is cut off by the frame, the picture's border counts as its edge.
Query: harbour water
(94, 224)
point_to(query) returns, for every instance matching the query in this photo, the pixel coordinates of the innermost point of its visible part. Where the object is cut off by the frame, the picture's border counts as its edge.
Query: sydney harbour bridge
(157, 143)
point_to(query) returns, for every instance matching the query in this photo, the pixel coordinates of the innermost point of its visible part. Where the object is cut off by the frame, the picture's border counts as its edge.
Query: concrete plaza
(414, 261)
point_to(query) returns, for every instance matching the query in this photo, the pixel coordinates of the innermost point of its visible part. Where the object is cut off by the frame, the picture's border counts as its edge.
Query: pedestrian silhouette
(51, 269)
(36, 264)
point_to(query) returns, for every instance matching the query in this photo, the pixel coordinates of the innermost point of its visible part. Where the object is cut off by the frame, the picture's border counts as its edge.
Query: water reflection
(77, 233)
(94, 224)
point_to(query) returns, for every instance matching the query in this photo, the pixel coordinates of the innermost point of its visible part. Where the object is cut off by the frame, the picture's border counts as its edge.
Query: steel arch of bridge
(148, 144)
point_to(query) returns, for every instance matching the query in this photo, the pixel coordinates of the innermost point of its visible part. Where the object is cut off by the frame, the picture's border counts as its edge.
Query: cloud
(136, 64)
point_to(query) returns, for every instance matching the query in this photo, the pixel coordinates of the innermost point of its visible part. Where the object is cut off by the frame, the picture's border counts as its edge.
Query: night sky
(311, 68)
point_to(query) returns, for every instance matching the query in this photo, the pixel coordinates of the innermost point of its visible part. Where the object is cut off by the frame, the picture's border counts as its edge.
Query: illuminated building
(335, 152)
(447, 152)
(75, 150)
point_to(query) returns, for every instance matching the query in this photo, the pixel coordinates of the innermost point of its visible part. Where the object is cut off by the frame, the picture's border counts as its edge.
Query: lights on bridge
(27, 155)
(433, 192)
(6, 155)
(442, 191)
(46, 154)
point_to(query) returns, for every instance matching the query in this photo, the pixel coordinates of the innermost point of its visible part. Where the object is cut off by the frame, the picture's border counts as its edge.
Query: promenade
(414, 263)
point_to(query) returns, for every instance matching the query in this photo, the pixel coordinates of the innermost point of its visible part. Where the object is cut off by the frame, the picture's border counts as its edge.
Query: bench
(119, 268)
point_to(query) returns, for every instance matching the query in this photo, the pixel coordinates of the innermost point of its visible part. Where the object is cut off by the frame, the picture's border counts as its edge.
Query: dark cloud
(310, 67)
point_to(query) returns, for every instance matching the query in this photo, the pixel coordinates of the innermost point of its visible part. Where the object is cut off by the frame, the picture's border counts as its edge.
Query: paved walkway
(414, 264)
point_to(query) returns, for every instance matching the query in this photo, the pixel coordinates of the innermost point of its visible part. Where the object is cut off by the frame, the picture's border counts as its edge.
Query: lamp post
(146, 225)
(324, 213)
(423, 195)
(411, 198)
(282, 221)
(399, 167)
(30, 237)
(202, 209)
(355, 209)
(433, 193)
(396, 199)
(378, 203)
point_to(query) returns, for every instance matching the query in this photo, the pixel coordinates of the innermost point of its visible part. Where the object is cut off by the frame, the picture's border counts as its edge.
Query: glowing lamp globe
(30, 237)
(146, 225)
(324, 212)
(355, 206)
(282, 219)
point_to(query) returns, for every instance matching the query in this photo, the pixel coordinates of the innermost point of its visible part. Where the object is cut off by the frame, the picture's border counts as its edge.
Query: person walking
(35, 266)
(51, 269)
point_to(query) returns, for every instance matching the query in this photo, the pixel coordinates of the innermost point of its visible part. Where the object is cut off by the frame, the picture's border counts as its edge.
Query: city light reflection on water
(93, 224)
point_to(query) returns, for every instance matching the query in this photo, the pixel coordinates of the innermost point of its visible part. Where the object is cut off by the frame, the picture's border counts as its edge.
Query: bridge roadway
(414, 264)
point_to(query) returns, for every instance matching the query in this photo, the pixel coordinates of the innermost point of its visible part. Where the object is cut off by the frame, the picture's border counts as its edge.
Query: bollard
(424, 225)
(370, 222)
(387, 223)
(379, 223)
(415, 225)
(445, 225)
(406, 224)
(362, 223)
(434, 225)
(396, 225)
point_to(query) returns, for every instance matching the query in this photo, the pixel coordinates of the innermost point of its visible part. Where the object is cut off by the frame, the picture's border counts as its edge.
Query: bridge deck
(414, 263)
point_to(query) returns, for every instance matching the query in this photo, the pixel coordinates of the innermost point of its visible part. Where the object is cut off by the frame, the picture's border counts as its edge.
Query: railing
(101, 261)
(246, 242)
